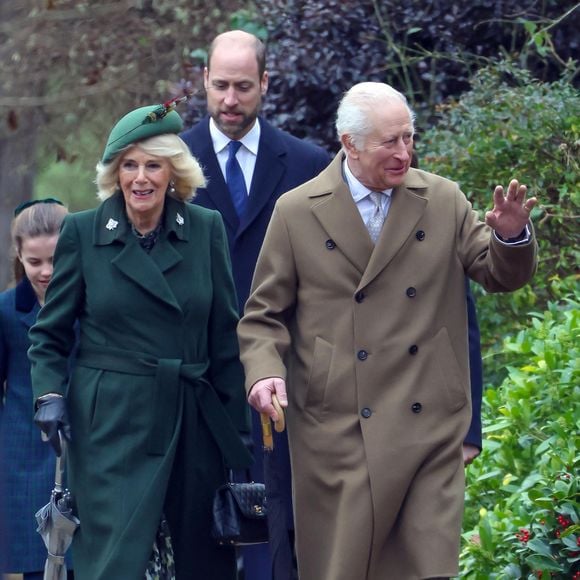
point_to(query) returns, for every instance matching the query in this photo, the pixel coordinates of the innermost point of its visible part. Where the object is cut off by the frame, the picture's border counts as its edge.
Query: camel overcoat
(156, 398)
(373, 344)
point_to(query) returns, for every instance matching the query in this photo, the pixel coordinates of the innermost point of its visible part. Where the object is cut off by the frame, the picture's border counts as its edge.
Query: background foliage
(495, 84)
(522, 498)
(429, 50)
(511, 125)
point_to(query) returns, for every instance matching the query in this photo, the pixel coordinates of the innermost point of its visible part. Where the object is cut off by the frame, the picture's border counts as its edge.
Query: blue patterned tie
(235, 179)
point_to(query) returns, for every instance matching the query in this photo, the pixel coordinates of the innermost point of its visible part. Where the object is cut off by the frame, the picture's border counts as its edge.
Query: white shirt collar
(357, 189)
(250, 140)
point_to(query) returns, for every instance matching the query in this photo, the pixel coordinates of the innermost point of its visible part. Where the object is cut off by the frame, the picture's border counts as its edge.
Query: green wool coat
(156, 398)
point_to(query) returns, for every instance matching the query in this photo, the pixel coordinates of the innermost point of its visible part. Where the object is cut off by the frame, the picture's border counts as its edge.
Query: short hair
(258, 45)
(353, 115)
(40, 219)
(187, 174)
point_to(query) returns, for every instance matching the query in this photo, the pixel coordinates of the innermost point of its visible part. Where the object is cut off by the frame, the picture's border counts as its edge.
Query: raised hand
(510, 212)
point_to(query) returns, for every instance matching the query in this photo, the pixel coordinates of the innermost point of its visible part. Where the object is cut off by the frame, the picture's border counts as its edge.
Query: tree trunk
(18, 129)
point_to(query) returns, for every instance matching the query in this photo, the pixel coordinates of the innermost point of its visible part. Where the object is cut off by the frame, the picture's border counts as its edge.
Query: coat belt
(170, 375)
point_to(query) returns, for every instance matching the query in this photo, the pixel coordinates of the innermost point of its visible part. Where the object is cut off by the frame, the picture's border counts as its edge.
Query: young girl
(26, 463)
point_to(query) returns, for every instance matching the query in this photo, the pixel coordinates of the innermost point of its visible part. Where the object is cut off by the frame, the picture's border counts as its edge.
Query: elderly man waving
(358, 308)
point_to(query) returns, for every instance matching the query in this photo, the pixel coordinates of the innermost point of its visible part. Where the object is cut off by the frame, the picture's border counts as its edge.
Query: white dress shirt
(246, 154)
(361, 196)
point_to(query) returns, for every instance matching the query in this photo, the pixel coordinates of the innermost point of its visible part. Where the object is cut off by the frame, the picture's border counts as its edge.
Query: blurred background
(495, 84)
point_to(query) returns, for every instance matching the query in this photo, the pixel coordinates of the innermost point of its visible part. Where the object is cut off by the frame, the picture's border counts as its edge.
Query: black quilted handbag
(240, 514)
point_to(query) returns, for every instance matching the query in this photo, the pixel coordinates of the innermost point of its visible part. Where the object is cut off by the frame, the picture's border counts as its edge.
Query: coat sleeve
(225, 369)
(53, 336)
(264, 332)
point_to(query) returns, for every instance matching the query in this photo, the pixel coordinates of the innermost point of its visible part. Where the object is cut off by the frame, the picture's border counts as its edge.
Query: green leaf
(540, 547)
(539, 562)
(485, 535)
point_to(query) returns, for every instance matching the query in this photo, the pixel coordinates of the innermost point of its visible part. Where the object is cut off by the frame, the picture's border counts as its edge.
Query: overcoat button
(359, 296)
(413, 349)
(416, 407)
(411, 292)
(362, 355)
(366, 412)
(420, 235)
(330, 244)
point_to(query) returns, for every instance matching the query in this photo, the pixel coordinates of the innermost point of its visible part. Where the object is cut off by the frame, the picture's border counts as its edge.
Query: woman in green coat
(155, 400)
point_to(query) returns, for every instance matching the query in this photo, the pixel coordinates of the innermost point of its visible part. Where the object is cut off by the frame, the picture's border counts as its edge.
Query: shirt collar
(357, 189)
(220, 141)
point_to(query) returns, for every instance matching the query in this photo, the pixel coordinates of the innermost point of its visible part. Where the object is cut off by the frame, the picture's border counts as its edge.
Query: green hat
(143, 123)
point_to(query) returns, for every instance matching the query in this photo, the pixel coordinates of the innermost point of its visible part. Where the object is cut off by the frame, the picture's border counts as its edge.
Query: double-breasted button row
(330, 244)
(362, 355)
(366, 412)
(360, 296)
(420, 235)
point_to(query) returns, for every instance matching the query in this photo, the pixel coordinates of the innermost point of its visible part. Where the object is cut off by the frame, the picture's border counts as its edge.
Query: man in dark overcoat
(272, 162)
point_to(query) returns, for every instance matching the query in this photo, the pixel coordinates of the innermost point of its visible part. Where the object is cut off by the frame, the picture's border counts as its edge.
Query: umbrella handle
(60, 464)
(279, 425)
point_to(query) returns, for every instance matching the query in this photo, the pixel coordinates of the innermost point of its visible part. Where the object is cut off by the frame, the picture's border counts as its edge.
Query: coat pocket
(449, 371)
(318, 377)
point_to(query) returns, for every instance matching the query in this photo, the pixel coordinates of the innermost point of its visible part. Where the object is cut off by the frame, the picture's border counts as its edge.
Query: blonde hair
(39, 219)
(187, 174)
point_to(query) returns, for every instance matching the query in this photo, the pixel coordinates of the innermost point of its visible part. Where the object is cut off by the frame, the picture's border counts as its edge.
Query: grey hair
(353, 115)
(186, 173)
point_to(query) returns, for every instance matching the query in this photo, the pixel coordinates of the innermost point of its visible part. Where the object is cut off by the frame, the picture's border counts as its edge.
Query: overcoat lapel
(268, 171)
(217, 188)
(338, 215)
(405, 211)
(26, 303)
(147, 271)
(142, 269)
(29, 318)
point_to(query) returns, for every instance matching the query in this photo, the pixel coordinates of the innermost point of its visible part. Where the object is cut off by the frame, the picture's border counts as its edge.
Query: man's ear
(205, 78)
(348, 146)
(264, 83)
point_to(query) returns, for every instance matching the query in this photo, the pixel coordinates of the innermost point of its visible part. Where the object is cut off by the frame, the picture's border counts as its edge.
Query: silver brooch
(112, 224)
(179, 219)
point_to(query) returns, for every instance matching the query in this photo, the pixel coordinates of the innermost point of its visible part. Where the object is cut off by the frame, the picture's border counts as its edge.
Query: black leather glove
(51, 416)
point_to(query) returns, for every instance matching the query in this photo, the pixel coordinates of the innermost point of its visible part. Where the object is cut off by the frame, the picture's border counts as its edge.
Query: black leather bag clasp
(240, 514)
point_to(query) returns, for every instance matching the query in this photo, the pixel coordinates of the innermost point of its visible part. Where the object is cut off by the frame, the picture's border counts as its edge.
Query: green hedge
(510, 125)
(522, 498)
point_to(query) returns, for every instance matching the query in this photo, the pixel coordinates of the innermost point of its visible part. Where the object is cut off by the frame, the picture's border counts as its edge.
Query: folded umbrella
(278, 491)
(57, 523)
